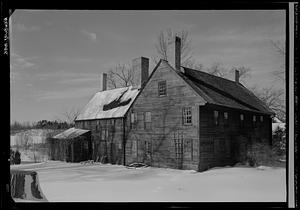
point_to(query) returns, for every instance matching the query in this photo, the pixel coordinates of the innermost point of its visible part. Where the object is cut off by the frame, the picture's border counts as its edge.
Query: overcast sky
(57, 57)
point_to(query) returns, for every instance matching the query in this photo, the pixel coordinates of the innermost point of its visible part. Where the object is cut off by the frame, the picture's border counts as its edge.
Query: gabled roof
(70, 133)
(107, 104)
(224, 92)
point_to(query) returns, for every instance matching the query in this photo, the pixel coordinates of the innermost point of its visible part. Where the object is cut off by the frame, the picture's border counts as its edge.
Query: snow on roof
(112, 103)
(70, 133)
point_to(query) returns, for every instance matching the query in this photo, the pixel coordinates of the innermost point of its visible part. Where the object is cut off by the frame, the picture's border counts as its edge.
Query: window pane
(132, 118)
(216, 117)
(225, 115)
(216, 114)
(261, 118)
(242, 117)
(148, 117)
(162, 88)
(187, 115)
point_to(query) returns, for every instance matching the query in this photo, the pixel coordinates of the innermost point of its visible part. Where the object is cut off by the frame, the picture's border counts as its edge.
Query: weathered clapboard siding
(107, 139)
(236, 138)
(166, 121)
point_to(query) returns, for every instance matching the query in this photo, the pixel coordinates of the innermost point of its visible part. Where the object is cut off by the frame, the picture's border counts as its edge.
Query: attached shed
(105, 116)
(72, 145)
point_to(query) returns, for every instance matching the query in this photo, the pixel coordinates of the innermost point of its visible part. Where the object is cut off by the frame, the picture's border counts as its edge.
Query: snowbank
(75, 182)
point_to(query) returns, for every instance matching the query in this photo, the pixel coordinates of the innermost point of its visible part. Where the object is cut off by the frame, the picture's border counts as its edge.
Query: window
(216, 117)
(178, 149)
(97, 125)
(226, 118)
(133, 120)
(141, 120)
(187, 115)
(261, 118)
(148, 116)
(254, 121)
(134, 148)
(104, 134)
(147, 120)
(162, 88)
(241, 120)
(241, 117)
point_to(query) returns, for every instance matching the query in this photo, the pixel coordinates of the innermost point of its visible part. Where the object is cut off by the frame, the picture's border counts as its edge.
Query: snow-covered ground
(76, 182)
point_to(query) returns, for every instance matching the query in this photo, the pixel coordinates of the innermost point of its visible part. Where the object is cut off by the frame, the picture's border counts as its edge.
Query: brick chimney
(237, 76)
(104, 81)
(177, 53)
(141, 70)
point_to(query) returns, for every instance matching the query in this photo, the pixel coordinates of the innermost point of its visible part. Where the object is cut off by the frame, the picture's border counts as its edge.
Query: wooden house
(105, 115)
(177, 117)
(188, 119)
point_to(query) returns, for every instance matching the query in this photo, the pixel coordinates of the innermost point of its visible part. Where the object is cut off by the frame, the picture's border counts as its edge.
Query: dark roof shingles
(220, 91)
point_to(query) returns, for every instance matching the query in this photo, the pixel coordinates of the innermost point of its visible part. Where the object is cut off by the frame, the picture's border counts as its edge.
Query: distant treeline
(42, 124)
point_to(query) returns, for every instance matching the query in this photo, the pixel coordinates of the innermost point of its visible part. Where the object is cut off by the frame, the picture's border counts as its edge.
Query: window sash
(187, 115)
(162, 88)
(132, 118)
(216, 117)
(241, 117)
(226, 115)
(147, 117)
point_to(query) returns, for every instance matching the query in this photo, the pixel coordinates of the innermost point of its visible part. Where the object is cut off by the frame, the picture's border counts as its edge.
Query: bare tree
(70, 114)
(120, 75)
(279, 47)
(273, 98)
(218, 69)
(165, 43)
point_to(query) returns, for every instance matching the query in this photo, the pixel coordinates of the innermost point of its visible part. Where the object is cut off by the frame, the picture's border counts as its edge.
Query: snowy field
(76, 182)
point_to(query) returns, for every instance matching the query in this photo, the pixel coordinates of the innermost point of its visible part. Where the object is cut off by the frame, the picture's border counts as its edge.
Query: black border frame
(7, 8)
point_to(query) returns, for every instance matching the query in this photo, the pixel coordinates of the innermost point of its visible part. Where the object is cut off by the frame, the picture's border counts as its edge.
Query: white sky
(57, 57)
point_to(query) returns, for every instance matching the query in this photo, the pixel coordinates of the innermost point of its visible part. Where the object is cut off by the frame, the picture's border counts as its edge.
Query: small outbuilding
(72, 145)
